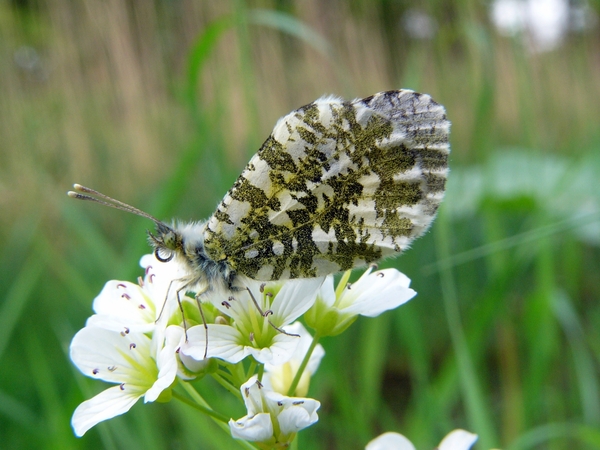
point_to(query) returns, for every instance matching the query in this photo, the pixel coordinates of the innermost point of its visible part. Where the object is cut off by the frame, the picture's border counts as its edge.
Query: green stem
(261, 372)
(296, 380)
(252, 368)
(199, 403)
(227, 385)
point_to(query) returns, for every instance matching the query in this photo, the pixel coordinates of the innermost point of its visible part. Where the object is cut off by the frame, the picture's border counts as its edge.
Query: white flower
(124, 358)
(373, 293)
(129, 307)
(455, 440)
(250, 332)
(279, 377)
(272, 418)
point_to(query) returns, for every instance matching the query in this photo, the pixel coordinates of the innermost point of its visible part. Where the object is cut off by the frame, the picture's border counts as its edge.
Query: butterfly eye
(163, 254)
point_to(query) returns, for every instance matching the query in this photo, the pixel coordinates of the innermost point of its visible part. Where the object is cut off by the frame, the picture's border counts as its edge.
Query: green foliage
(161, 104)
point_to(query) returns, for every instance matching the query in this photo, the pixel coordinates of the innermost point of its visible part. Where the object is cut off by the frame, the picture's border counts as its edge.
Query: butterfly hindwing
(337, 185)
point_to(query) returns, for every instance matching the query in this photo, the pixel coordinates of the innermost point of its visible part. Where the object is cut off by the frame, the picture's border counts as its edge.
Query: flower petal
(298, 413)
(458, 440)
(167, 363)
(256, 428)
(378, 292)
(113, 356)
(294, 299)
(280, 351)
(107, 404)
(224, 342)
(123, 305)
(390, 441)
(327, 291)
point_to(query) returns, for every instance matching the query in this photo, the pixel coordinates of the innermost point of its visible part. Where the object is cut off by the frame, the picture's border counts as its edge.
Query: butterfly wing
(337, 185)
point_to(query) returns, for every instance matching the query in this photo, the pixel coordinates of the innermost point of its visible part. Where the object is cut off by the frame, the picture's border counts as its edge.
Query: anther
(299, 402)
(280, 403)
(349, 286)
(247, 392)
(262, 287)
(96, 371)
(112, 368)
(141, 307)
(132, 346)
(121, 285)
(380, 274)
(122, 386)
(259, 384)
(126, 296)
(251, 336)
(226, 304)
(267, 313)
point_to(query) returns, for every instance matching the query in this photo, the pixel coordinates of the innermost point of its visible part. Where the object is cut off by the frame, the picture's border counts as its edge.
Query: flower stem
(298, 375)
(261, 372)
(252, 368)
(199, 403)
(227, 385)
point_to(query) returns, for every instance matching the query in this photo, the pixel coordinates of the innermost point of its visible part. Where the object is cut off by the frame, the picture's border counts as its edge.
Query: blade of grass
(478, 413)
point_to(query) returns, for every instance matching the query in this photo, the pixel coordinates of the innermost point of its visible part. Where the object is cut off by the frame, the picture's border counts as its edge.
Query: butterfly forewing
(337, 185)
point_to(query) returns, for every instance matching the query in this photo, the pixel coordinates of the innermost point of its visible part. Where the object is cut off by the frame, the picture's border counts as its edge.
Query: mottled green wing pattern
(337, 185)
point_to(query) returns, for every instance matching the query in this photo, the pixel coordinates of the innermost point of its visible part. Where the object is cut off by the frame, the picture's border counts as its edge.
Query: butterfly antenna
(82, 194)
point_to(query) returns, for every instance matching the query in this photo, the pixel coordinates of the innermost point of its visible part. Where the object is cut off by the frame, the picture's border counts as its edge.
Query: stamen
(112, 368)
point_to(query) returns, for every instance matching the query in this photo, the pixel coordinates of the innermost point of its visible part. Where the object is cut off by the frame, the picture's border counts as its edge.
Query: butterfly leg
(199, 303)
(266, 314)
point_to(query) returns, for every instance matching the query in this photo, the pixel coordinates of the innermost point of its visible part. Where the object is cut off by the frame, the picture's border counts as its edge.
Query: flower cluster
(148, 338)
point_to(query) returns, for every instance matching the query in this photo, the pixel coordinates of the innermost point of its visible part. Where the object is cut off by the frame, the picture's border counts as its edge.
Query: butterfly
(337, 185)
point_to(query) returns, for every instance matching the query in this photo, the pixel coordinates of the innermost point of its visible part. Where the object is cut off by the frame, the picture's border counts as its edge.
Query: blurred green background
(161, 103)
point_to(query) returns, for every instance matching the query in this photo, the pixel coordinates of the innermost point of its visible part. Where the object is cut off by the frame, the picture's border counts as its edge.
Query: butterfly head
(167, 242)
